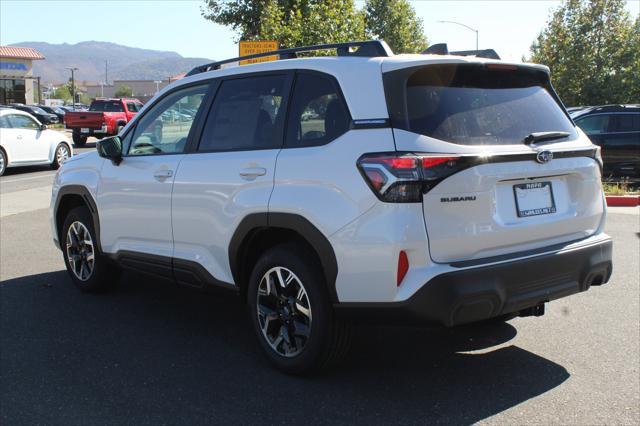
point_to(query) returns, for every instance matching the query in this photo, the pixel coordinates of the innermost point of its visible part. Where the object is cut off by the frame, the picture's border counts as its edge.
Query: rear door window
(106, 106)
(245, 115)
(474, 104)
(594, 124)
(625, 123)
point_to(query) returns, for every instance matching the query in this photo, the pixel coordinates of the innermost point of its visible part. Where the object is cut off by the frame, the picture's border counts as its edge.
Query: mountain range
(126, 63)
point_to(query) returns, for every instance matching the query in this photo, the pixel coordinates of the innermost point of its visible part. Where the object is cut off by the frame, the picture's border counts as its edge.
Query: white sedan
(24, 141)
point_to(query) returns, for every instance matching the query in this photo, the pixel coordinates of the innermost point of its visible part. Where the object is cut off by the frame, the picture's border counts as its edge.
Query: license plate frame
(85, 130)
(541, 188)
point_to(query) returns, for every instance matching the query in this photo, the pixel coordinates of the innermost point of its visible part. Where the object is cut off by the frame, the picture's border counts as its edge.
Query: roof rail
(441, 49)
(369, 48)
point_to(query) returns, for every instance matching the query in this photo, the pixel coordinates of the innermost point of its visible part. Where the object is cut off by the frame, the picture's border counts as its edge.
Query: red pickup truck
(106, 117)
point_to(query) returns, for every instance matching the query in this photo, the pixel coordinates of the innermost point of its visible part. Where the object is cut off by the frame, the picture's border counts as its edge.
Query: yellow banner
(252, 47)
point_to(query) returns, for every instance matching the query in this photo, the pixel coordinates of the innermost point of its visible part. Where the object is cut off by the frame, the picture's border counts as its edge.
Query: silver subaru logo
(544, 157)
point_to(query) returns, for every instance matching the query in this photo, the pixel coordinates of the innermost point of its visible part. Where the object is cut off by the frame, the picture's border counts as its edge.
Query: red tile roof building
(10, 52)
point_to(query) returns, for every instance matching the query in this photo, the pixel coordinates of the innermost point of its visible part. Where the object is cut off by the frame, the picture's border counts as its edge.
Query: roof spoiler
(368, 49)
(442, 49)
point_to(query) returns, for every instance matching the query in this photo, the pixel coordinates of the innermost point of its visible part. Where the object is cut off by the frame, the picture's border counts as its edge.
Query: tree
(243, 16)
(395, 22)
(304, 22)
(62, 92)
(589, 46)
(308, 22)
(123, 92)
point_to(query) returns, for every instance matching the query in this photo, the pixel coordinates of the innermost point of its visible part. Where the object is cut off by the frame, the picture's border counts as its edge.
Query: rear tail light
(403, 178)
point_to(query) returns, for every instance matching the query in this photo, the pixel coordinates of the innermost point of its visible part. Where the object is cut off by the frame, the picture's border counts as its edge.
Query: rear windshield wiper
(545, 136)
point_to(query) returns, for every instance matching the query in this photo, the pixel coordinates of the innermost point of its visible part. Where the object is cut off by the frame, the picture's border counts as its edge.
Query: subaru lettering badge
(544, 157)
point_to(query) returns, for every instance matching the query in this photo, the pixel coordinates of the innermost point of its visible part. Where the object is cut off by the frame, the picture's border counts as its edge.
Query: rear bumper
(483, 292)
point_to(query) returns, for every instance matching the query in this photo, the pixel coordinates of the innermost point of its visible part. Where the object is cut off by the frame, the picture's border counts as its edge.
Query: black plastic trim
(83, 192)
(476, 294)
(183, 272)
(287, 221)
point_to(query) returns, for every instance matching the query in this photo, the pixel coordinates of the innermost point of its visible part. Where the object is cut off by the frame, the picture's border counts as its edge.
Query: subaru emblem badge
(544, 157)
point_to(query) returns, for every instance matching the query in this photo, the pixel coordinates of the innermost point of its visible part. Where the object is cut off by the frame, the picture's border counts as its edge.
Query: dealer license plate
(533, 199)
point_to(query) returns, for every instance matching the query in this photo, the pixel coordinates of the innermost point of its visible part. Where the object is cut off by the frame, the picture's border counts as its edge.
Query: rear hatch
(504, 168)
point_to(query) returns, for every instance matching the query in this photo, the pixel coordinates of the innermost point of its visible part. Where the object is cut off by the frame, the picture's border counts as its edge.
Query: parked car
(430, 189)
(24, 141)
(59, 112)
(42, 115)
(106, 117)
(616, 129)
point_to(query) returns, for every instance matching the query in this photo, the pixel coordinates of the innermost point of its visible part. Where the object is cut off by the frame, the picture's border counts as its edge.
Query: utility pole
(106, 72)
(463, 25)
(73, 86)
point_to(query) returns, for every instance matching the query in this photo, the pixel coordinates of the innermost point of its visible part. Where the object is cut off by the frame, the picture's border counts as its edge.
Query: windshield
(474, 104)
(38, 110)
(106, 106)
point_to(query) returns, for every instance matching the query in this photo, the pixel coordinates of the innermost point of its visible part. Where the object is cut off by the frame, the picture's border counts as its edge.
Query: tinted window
(594, 124)
(244, 115)
(132, 107)
(4, 123)
(165, 127)
(626, 123)
(318, 114)
(474, 104)
(22, 122)
(106, 106)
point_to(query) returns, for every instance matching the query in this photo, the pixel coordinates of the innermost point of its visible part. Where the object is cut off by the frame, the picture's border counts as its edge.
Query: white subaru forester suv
(429, 189)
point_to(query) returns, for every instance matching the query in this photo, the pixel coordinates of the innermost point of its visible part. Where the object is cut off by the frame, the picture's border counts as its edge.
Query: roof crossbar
(368, 49)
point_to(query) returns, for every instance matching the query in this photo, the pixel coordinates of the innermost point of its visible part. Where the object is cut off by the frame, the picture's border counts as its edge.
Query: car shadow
(150, 352)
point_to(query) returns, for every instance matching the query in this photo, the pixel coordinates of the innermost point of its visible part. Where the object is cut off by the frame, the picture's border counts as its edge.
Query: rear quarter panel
(323, 183)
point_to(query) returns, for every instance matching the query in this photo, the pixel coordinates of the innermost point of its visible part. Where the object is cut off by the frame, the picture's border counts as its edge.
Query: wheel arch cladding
(261, 231)
(70, 197)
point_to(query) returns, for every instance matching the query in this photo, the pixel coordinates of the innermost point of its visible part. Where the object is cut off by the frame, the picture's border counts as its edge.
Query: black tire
(328, 337)
(79, 140)
(58, 158)
(104, 274)
(3, 162)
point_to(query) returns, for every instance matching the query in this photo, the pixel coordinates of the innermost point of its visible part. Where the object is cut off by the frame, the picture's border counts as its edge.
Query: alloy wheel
(62, 154)
(284, 311)
(2, 165)
(80, 251)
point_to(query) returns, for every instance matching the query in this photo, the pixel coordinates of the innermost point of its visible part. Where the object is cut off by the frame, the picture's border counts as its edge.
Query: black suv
(616, 129)
(43, 116)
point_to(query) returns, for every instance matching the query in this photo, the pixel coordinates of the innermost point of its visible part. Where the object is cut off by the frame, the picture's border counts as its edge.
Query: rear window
(106, 106)
(473, 104)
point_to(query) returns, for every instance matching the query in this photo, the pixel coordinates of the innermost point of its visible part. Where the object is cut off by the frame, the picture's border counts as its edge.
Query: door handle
(162, 174)
(252, 172)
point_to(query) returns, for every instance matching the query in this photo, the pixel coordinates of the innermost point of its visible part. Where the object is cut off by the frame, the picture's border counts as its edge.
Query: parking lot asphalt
(152, 353)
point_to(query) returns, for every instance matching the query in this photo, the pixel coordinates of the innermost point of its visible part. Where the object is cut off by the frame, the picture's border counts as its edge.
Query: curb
(623, 200)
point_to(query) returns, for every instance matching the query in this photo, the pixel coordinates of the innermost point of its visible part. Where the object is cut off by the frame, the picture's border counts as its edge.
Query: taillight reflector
(403, 266)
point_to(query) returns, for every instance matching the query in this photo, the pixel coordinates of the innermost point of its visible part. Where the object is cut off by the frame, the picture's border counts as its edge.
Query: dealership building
(17, 82)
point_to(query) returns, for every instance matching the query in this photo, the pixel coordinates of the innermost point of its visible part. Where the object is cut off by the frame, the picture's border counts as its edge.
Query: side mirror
(110, 148)
(43, 127)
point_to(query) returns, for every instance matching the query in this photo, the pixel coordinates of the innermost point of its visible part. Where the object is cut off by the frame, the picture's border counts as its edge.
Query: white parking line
(27, 178)
(25, 201)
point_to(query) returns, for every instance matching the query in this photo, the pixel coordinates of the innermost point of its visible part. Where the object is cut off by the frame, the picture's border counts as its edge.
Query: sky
(509, 27)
